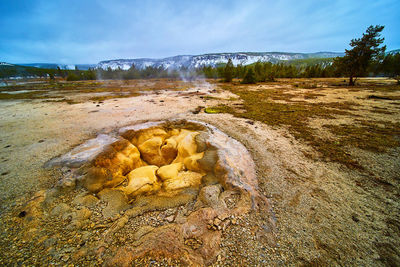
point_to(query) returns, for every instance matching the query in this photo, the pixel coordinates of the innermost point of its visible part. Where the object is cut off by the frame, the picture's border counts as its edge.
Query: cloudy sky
(77, 31)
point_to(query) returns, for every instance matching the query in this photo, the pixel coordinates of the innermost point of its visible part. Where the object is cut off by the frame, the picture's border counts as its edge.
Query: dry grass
(282, 106)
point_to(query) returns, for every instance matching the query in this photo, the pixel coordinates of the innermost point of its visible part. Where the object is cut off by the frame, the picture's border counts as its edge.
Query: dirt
(326, 212)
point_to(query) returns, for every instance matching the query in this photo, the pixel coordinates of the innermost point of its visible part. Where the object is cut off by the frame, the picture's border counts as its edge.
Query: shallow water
(19, 92)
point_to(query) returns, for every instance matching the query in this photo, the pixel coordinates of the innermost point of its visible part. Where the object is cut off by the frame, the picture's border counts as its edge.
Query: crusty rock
(85, 200)
(170, 171)
(183, 180)
(151, 151)
(60, 210)
(169, 150)
(142, 180)
(209, 196)
(116, 201)
(81, 214)
(187, 146)
(110, 166)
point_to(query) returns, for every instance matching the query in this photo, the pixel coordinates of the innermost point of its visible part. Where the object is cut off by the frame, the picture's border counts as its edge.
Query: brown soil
(327, 158)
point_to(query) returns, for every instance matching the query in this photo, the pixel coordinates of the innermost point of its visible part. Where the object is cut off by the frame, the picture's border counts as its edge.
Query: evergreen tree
(250, 77)
(228, 71)
(364, 50)
(260, 72)
(391, 66)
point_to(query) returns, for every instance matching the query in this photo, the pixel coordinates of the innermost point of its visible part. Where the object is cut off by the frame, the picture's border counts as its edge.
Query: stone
(81, 214)
(170, 171)
(186, 147)
(60, 210)
(169, 150)
(110, 166)
(142, 180)
(151, 151)
(209, 196)
(170, 219)
(191, 162)
(184, 179)
(163, 166)
(209, 159)
(85, 200)
(139, 137)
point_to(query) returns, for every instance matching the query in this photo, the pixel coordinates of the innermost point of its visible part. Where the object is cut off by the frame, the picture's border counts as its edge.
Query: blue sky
(78, 31)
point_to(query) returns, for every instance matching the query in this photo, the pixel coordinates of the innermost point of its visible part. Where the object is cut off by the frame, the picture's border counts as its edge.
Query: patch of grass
(217, 109)
(27, 95)
(257, 105)
(368, 135)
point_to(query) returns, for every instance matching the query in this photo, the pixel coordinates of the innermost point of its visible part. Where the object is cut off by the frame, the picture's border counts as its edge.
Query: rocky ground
(328, 210)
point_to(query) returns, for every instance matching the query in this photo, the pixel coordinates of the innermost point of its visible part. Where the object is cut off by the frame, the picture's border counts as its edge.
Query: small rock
(86, 200)
(170, 219)
(209, 195)
(197, 110)
(81, 214)
(217, 221)
(60, 210)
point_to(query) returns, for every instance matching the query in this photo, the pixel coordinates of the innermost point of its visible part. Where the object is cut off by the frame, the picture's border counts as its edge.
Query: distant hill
(61, 66)
(195, 61)
(393, 51)
(11, 70)
(190, 61)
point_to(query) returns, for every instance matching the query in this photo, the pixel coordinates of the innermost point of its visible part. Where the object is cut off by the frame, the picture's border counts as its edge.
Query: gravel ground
(325, 213)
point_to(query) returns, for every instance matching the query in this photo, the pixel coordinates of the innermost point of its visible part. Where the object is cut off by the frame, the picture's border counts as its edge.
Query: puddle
(19, 92)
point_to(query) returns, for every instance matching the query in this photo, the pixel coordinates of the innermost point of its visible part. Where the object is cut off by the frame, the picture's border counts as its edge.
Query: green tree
(250, 77)
(364, 50)
(259, 70)
(228, 71)
(72, 77)
(391, 66)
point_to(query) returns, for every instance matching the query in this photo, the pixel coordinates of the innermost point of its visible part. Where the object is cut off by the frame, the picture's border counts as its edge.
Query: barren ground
(327, 157)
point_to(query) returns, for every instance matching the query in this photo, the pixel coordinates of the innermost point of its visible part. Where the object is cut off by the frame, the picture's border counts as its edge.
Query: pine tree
(250, 77)
(391, 66)
(364, 50)
(228, 71)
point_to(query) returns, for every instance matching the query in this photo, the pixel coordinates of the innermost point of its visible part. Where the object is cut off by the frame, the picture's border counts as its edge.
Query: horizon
(70, 32)
(283, 52)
